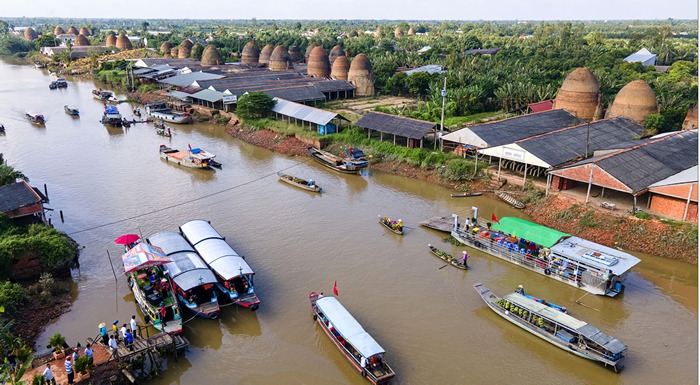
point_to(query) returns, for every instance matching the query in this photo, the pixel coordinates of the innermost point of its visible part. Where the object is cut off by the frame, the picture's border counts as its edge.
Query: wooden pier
(443, 224)
(152, 344)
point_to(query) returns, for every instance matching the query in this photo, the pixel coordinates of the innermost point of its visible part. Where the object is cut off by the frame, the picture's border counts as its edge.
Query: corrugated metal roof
(640, 56)
(396, 125)
(303, 112)
(208, 95)
(430, 68)
(345, 324)
(179, 95)
(686, 176)
(297, 94)
(187, 79)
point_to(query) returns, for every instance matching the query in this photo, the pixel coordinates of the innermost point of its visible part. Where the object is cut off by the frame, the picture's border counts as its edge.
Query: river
(433, 325)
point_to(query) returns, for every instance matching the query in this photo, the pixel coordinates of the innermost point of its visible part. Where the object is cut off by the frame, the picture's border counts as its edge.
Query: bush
(458, 169)
(588, 219)
(642, 215)
(12, 295)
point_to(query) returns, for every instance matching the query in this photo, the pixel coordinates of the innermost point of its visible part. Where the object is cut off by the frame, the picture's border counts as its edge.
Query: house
(405, 131)
(642, 56)
(23, 203)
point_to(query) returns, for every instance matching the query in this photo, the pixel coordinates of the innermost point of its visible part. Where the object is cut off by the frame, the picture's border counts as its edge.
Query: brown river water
(432, 323)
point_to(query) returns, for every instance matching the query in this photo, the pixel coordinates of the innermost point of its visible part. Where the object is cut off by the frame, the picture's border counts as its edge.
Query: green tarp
(520, 228)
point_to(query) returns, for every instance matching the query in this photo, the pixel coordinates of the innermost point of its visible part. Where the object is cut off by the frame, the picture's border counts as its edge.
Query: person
(129, 340)
(169, 132)
(114, 326)
(520, 290)
(363, 364)
(89, 354)
(113, 344)
(12, 360)
(103, 333)
(122, 331)
(162, 316)
(75, 354)
(68, 364)
(320, 295)
(399, 225)
(48, 375)
(311, 182)
(164, 285)
(465, 258)
(134, 325)
(153, 280)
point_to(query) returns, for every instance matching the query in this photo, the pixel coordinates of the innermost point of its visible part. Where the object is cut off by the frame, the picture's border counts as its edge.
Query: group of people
(68, 364)
(126, 335)
(396, 225)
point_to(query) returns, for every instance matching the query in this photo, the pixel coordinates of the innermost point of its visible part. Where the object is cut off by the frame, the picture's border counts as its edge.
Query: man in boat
(399, 225)
(465, 258)
(311, 183)
(363, 364)
(520, 290)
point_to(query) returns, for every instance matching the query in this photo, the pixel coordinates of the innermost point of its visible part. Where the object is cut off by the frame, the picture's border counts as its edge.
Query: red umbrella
(127, 239)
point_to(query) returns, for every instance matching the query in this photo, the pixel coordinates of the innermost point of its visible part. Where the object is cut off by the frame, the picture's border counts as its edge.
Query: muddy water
(430, 320)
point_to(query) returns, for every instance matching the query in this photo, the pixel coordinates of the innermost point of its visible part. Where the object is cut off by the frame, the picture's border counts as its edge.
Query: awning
(348, 327)
(199, 230)
(143, 256)
(533, 232)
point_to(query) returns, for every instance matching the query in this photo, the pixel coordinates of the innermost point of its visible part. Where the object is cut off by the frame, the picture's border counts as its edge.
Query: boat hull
(171, 117)
(298, 182)
(247, 301)
(174, 326)
(346, 166)
(448, 258)
(465, 195)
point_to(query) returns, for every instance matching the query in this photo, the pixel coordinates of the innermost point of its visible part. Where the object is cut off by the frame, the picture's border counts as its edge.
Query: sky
(358, 9)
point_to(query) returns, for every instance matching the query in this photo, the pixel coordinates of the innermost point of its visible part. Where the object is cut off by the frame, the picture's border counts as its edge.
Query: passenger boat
(303, 184)
(70, 110)
(465, 195)
(139, 264)
(557, 328)
(577, 262)
(464, 265)
(395, 227)
(194, 158)
(161, 111)
(104, 96)
(192, 281)
(510, 200)
(233, 274)
(111, 116)
(350, 338)
(35, 118)
(337, 163)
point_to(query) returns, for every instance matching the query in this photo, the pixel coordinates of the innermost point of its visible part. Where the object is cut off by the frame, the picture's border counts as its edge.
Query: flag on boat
(143, 256)
(335, 287)
(495, 218)
(189, 145)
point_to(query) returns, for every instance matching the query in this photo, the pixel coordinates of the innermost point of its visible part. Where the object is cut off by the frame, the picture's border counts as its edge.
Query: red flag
(335, 287)
(188, 145)
(495, 219)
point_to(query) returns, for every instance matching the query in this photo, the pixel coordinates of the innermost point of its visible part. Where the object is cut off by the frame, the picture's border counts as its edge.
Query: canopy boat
(557, 328)
(395, 227)
(139, 263)
(194, 158)
(192, 281)
(463, 264)
(112, 116)
(465, 195)
(571, 260)
(35, 118)
(104, 96)
(546, 303)
(233, 274)
(337, 163)
(510, 200)
(70, 110)
(61, 83)
(308, 185)
(161, 111)
(350, 338)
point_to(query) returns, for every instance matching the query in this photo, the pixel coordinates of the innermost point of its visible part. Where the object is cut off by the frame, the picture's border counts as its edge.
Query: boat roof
(188, 270)
(348, 327)
(198, 230)
(596, 255)
(521, 228)
(222, 259)
(171, 242)
(591, 332)
(111, 110)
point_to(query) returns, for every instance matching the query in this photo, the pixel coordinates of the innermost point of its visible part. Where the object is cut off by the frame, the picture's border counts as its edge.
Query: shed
(187, 79)
(430, 68)
(21, 200)
(483, 51)
(642, 56)
(413, 130)
(208, 98)
(326, 122)
(677, 195)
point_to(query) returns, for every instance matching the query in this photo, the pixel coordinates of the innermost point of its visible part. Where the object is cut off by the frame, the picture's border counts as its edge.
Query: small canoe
(510, 200)
(71, 110)
(395, 227)
(308, 185)
(464, 195)
(448, 258)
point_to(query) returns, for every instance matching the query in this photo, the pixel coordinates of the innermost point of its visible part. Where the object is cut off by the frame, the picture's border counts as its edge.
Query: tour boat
(557, 328)
(303, 184)
(589, 266)
(395, 227)
(193, 158)
(448, 258)
(161, 111)
(35, 118)
(70, 110)
(139, 262)
(104, 96)
(337, 163)
(350, 338)
(112, 116)
(192, 281)
(234, 275)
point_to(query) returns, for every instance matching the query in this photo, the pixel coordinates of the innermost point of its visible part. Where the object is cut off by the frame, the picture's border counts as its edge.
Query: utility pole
(442, 118)
(588, 139)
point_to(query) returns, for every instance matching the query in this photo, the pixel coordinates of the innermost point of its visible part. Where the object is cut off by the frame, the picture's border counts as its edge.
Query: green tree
(254, 105)
(8, 175)
(197, 51)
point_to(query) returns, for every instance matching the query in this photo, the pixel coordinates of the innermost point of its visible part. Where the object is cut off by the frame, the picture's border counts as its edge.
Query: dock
(154, 343)
(443, 224)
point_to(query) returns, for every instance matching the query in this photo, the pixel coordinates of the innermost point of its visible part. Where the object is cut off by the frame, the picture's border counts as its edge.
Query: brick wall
(673, 207)
(583, 174)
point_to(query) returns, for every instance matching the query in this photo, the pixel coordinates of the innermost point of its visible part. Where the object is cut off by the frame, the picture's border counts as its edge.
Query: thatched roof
(211, 56)
(579, 94)
(85, 31)
(58, 30)
(309, 49)
(111, 40)
(279, 59)
(295, 54)
(73, 30)
(318, 64)
(184, 49)
(635, 101)
(30, 34)
(82, 41)
(250, 54)
(335, 52)
(165, 47)
(341, 66)
(265, 54)
(123, 42)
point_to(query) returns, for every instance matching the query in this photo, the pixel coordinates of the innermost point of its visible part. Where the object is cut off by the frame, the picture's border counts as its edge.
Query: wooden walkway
(143, 345)
(443, 224)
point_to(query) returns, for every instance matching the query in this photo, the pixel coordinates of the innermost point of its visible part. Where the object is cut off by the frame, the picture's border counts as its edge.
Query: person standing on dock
(113, 344)
(48, 375)
(129, 340)
(68, 364)
(134, 325)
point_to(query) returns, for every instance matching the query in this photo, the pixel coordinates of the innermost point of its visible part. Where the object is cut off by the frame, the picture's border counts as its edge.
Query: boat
(510, 200)
(139, 264)
(194, 158)
(350, 338)
(546, 303)
(70, 110)
(111, 116)
(233, 274)
(559, 329)
(192, 281)
(161, 111)
(39, 64)
(395, 227)
(465, 195)
(577, 262)
(35, 118)
(355, 153)
(303, 184)
(464, 265)
(137, 112)
(104, 96)
(61, 83)
(337, 163)
(164, 132)
(53, 85)
(2, 128)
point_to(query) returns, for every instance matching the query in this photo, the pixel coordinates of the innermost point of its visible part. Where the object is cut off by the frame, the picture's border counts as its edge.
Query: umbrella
(144, 256)
(127, 239)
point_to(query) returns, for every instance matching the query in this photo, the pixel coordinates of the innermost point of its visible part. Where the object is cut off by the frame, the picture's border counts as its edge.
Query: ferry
(192, 281)
(162, 112)
(577, 262)
(348, 165)
(557, 328)
(350, 338)
(193, 158)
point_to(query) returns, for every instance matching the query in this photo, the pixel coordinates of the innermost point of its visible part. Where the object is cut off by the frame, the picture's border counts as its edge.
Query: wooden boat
(233, 274)
(194, 158)
(137, 112)
(70, 110)
(104, 96)
(35, 118)
(39, 64)
(448, 258)
(350, 338)
(112, 117)
(162, 112)
(395, 227)
(61, 83)
(577, 262)
(557, 328)
(149, 299)
(510, 200)
(337, 163)
(164, 132)
(546, 303)
(53, 85)
(308, 185)
(465, 195)
(192, 281)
